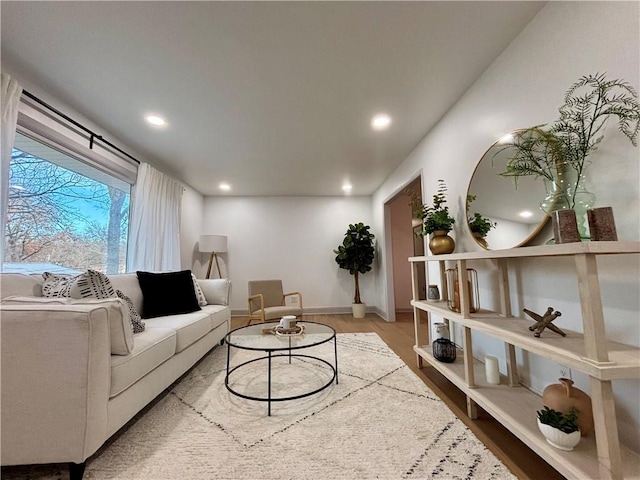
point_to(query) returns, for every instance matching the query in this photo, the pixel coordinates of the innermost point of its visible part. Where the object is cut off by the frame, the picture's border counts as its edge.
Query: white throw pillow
(215, 290)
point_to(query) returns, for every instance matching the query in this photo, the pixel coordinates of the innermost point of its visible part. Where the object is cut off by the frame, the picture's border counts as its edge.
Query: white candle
(491, 367)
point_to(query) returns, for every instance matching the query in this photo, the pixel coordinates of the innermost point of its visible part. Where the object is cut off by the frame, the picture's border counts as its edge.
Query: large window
(63, 214)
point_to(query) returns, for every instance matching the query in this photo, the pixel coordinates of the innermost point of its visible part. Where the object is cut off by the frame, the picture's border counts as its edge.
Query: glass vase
(567, 191)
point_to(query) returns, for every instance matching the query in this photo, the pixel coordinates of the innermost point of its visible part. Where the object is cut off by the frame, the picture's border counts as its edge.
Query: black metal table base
(269, 357)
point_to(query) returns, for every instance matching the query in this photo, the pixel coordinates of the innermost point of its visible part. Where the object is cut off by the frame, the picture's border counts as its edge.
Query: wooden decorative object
(565, 226)
(544, 321)
(602, 226)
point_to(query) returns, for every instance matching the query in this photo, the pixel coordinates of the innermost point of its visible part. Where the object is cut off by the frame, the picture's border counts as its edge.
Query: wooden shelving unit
(598, 456)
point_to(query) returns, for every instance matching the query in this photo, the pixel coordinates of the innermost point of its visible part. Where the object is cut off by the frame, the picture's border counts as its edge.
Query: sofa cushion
(12, 284)
(168, 293)
(120, 329)
(189, 327)
(129, 285)
(216, 291)
(219, 314)
(152, 347)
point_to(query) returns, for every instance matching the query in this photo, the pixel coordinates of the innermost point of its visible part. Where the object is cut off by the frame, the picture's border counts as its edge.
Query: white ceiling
(274, 98)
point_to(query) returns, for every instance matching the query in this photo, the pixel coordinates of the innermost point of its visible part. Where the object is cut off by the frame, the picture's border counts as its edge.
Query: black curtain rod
(93, 135)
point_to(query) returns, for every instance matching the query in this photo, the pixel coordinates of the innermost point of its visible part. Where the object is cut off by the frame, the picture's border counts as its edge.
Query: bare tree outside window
(58, 216)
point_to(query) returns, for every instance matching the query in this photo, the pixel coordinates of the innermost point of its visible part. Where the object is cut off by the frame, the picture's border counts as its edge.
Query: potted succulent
(356, 255)
(438, 222)
(478, 225)
(560, 430)
(558, 153)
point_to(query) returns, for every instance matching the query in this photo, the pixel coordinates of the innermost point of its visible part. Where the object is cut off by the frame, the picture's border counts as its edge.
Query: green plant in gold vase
(438, 222)
(478, 225)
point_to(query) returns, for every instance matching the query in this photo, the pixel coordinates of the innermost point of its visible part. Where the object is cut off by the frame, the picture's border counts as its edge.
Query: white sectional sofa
(72, 376)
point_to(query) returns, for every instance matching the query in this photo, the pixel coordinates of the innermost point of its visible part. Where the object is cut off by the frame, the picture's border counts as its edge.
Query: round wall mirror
(514, 209)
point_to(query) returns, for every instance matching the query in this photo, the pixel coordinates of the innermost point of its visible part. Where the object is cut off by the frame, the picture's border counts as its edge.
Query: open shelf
(589, 352)
(515, 408)
(570, 350)
(564, 249)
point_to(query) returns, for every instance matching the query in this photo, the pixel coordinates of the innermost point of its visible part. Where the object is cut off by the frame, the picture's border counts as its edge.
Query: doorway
(402, 224)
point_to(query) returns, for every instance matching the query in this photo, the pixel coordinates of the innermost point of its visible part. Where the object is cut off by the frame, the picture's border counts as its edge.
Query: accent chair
(268, 302)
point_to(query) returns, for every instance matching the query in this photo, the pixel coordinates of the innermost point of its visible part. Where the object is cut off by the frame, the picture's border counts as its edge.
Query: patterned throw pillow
(202, 301)
(136, 321)
(92, 284)
(57, 286)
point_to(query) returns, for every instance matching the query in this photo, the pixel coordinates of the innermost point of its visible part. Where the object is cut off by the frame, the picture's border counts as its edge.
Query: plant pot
(441, 243)
(564, 396)
(359, 310)
(559, 439)
(480, 240)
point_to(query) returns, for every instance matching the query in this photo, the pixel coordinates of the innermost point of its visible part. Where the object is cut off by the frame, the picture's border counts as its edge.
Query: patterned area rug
(380, 421)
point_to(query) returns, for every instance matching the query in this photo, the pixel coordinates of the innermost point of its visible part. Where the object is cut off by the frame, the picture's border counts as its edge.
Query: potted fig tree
(356, 255)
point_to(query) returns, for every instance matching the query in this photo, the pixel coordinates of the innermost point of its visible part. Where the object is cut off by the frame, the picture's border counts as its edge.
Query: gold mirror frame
(500, 200)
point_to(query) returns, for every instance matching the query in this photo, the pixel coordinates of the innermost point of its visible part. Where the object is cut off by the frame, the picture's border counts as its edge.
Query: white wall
(190, 229)
(291, 238)
(524, 87)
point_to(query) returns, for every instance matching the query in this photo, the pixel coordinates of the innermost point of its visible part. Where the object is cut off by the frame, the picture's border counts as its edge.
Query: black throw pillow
(169, 293)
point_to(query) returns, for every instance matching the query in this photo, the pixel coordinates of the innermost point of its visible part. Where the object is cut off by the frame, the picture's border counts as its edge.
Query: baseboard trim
(243, 312)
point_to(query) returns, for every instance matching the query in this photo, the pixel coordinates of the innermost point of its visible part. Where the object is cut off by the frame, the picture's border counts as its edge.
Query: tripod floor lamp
(214, 244)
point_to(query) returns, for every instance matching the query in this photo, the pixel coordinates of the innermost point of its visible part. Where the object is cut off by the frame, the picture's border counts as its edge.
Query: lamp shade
(213, 243)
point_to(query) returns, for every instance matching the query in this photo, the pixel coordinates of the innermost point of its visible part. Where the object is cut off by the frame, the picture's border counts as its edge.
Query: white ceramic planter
(358, 309)
(559, 439)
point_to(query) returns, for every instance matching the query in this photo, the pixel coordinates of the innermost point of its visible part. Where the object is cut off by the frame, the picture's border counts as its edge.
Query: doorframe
(388, 247)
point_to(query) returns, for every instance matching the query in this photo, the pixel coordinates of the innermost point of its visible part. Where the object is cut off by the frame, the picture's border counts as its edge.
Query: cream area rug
(379, 422)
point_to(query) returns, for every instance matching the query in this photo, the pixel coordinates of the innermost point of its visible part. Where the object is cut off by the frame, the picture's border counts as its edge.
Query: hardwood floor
(399, 336)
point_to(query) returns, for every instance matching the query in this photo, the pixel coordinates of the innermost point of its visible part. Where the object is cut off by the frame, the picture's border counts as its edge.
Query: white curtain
(154, 227)
(10, 100)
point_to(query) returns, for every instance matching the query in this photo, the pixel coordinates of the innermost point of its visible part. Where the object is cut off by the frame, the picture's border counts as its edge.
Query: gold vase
(480, 240)
(441, 243)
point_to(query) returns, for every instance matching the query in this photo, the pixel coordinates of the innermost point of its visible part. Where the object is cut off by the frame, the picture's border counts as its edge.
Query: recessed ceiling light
(381, 122)
(346, 187)
(525, 214)
(155, 120)
(224, 186)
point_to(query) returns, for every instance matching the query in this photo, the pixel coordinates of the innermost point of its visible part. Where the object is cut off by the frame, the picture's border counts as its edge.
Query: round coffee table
(257, 338)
